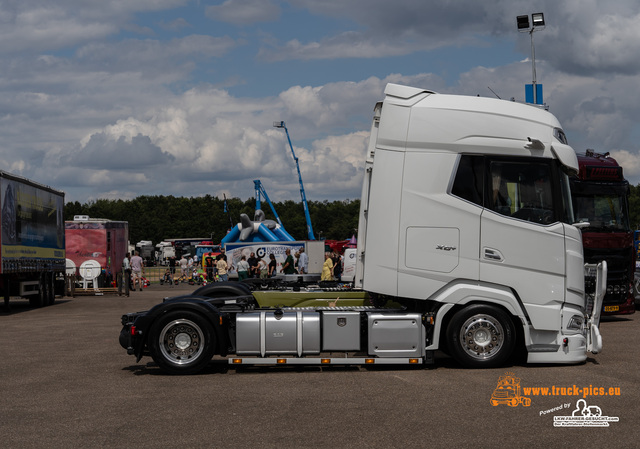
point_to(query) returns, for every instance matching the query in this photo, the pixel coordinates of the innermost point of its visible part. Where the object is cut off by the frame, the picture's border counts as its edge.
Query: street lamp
(537, 24)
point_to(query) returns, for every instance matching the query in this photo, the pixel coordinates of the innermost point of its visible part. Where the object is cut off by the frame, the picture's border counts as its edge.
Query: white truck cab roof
(422, 120)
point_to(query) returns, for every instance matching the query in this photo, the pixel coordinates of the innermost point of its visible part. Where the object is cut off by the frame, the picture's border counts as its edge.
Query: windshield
(605, 212)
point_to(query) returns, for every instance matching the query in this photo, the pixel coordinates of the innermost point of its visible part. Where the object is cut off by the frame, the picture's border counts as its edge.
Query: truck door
(522, 242)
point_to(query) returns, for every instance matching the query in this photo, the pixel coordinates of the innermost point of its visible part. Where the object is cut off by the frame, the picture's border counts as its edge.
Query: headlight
(575, 323)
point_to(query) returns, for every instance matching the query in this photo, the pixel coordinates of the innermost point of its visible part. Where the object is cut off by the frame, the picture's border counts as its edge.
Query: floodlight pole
(537, 23)
(533, 66)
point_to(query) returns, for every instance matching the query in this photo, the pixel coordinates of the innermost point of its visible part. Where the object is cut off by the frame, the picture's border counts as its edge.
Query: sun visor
(404, 92)
(566, 155)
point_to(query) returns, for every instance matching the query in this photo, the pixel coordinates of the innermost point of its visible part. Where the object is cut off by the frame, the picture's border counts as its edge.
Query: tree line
(157, 218)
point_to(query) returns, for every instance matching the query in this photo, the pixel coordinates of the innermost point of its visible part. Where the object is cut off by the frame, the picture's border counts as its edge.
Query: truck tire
(181, 342)
(52, 289)
(35, 300)
(41, 298)
(49, 295)
(481, 336)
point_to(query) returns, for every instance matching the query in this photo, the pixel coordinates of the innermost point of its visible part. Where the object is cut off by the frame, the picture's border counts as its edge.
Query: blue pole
(310, 235)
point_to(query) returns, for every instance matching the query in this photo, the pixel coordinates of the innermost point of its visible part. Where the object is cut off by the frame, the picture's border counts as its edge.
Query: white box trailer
(313, 248)
(465, 223)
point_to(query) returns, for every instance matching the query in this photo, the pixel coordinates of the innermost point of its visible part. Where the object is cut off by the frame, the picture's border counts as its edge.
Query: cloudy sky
(120, 98)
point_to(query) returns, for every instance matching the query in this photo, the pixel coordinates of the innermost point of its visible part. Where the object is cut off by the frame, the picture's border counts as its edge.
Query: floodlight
(523, 23)
(537, 19)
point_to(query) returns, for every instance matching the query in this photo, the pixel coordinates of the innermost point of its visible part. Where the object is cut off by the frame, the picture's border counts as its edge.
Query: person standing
(327, 268)
(337, 266)
(222, 267)
(287, 267)
(184, 266)
(263, 268)
(272, 265)
(253, 262)
(303, 262)
(126, 274)
(243, 268)
(208, 266)
(137, 270)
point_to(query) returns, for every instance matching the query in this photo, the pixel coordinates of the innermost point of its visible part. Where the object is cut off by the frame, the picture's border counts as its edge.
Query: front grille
(619, 272)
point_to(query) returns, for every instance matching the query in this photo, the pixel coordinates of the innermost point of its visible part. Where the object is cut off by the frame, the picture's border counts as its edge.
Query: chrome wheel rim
(482, 336)
(181, 341)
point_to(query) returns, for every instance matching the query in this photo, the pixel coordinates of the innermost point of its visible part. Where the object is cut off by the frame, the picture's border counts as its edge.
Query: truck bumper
(125, 337)
(571, 350)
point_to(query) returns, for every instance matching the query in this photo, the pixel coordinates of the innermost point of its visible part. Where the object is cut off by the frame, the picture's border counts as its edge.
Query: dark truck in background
(601, 198)
(32, 244)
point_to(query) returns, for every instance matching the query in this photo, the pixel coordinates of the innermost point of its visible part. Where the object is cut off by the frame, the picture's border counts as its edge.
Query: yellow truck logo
(508, 392)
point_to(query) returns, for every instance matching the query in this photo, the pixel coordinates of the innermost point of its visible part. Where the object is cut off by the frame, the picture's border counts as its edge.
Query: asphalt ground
(67, 383)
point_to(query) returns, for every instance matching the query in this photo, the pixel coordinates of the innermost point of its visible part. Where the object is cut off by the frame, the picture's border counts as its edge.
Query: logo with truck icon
(508, 392)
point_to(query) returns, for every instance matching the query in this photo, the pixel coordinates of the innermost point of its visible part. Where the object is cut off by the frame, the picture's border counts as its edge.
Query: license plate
(611, 308)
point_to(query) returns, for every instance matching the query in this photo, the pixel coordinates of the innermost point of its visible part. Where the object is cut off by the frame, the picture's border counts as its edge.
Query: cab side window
(521, 190)
(469, 180)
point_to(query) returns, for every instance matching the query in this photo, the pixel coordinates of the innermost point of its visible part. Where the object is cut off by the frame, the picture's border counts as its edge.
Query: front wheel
(181, 342)
(481, 336)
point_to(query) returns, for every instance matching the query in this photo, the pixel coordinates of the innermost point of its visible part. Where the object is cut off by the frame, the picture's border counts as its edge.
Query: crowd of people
(217, 268)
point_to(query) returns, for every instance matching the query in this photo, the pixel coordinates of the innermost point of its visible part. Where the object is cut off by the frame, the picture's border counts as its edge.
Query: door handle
(492, 254)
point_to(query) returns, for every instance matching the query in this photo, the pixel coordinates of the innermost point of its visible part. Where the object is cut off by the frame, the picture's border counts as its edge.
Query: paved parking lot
(67, 383)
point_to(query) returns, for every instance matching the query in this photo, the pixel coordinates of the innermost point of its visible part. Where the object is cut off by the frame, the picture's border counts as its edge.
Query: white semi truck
(466, 244)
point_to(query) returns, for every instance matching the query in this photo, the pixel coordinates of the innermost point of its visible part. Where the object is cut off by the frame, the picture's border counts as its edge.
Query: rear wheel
(481, 336)
(41, 298)
(49, 295)
(36, 300)
(181, 342)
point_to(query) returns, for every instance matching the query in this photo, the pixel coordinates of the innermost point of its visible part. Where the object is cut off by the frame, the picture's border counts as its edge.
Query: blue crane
(310, 235)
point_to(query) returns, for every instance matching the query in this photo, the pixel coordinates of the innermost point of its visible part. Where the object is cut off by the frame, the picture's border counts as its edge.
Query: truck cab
(601, 199)
(466, 202)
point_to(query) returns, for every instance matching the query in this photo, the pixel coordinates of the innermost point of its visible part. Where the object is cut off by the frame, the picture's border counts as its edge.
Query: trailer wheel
(41, 298)
(52, 289)
(481, 336)
(181, 342)
(49, 295)
(36, 300)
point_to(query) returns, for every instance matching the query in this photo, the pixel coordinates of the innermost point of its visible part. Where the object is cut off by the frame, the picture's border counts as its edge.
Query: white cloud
(629, 161)
(244, 12)
(42, 25)
(112, 116)
(586, 36)
(150, 55)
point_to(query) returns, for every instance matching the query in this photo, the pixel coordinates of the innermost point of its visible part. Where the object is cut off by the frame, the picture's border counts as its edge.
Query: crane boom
(310, 235)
